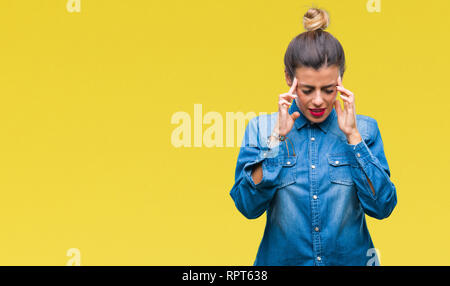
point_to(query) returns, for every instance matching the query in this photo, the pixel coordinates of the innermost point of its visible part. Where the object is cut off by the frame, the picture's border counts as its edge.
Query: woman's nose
(317, 100)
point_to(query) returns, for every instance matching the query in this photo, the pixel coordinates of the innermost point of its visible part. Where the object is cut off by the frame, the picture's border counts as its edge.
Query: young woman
(315, 167)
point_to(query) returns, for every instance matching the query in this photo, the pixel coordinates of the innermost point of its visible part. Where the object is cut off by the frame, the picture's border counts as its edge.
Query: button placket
(314, 186)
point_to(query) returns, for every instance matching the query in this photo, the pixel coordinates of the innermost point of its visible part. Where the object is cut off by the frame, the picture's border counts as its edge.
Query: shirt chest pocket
(288, 173)
(340, 168)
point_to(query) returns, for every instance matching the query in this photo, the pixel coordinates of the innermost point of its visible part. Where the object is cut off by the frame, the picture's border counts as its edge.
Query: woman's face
(316, 91)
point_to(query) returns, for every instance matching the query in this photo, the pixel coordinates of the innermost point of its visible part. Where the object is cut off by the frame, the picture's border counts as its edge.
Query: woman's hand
(347, 117)
(284, 123)
(285, 120)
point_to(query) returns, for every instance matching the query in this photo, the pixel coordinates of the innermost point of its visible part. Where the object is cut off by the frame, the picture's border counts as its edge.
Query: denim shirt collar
(302, 120)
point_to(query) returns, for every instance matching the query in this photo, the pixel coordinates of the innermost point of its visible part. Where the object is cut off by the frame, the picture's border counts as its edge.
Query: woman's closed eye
(329, 91)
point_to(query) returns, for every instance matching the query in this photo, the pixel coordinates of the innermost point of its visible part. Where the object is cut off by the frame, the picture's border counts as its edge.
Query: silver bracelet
(277, 139)
(278, 136)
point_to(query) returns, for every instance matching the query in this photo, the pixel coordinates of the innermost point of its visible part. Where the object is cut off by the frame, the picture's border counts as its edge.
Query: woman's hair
(315, 47)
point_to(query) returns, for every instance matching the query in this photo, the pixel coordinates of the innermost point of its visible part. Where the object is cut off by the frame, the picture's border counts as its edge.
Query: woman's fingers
(345, 115)
(285, 119)
(347, 104)
(288, 96)
(284, 102)
(295, 115)
(345, 98)
(347, 93)
(293, 86)
(337, 106)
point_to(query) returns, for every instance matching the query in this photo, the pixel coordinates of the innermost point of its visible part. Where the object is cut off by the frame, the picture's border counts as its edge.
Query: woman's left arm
(375, 190)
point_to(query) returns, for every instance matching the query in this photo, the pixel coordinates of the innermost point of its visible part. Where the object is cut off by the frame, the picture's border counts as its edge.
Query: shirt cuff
(361, 152)
(272, 162)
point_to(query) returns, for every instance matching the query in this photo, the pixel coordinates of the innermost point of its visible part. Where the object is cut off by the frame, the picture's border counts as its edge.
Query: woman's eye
(310, 90)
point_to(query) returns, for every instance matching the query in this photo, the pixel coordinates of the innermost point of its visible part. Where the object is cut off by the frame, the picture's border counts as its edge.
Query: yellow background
(86, 103)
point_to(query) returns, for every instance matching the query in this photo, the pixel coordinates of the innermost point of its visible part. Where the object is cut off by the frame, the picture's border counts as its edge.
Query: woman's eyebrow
(325, 86)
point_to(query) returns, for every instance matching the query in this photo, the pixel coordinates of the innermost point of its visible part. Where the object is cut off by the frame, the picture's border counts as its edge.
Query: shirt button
(316, 229)
(337, 162)
(312, 166)
(288, 162)
(318, 258)
(357, 154)
(264, 154)
(315, 197)
(312, 138)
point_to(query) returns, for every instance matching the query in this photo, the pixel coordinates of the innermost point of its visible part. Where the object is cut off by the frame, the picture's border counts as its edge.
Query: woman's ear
(288, 80)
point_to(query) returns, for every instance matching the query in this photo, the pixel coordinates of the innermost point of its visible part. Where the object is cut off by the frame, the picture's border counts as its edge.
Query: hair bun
(315, 19)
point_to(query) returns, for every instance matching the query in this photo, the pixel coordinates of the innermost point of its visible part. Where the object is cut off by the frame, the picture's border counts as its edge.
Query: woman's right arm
(258, 167)
(251, 192)
(257, 173)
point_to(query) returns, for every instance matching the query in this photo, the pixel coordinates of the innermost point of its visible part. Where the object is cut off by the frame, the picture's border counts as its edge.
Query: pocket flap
(340, 159)
(289, 161)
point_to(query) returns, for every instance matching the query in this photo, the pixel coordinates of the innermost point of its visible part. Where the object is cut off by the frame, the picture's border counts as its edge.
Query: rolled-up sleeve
(372, 165)
(253, 199)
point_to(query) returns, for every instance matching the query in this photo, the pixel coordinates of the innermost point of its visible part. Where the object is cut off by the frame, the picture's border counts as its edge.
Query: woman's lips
(317, 112)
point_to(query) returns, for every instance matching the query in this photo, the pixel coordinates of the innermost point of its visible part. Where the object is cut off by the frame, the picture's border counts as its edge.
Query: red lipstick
(317, 112)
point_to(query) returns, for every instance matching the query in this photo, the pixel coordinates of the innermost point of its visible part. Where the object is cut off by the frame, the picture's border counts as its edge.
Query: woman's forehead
(322, 77)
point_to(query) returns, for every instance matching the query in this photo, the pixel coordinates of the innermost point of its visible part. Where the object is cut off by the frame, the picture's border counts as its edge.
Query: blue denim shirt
(314, 190)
